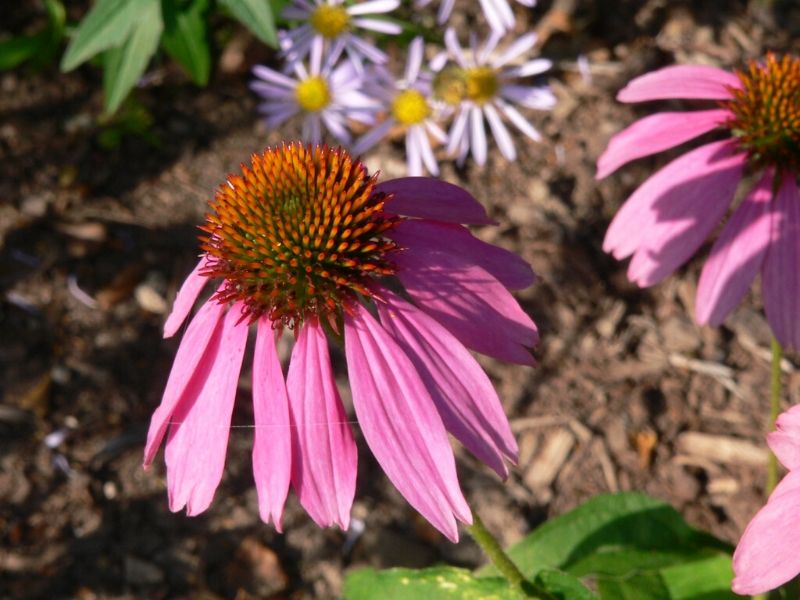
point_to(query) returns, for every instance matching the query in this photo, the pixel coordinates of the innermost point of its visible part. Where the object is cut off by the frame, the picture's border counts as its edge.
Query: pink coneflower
(306, 240)
(768, 555)
(666, 220)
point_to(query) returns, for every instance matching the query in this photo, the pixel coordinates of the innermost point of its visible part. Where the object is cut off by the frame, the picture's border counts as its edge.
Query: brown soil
(94, 242)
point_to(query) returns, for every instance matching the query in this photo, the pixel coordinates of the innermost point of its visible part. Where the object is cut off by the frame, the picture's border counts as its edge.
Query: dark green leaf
(639, 586)
(624, 562)
(627, 520)
(256, 15)
(633, 548)
(437, 583)
(17, 50)
(107, 25)
(186, 37)
(39, 47)
(126, 64)
(562, 586)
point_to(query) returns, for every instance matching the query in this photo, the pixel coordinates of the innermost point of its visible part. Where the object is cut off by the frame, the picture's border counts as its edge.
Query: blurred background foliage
(123, 37)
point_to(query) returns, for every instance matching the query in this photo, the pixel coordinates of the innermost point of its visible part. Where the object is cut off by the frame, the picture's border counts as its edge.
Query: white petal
(436, 131)
(335, 125)
(494, 17)
(373, 7)
(315, 60)
(500, 133)
(372, 137)
(457, 130)
(274, 77)
(488, 47)
(520, 121)
(519, 47)
(378, 25)
(414, 158)
(424, 146)
(451, 42)
(414, 61)
(445, 10)
(532, 67)
(477, 135)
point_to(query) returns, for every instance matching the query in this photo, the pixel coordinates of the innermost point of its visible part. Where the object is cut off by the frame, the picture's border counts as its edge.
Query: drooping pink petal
(656, 133)
(401, 425)
(422, 237)
(272, 447)
(685, 211)
(429, 198)
(785, 440)
(681, 81)
(470, 303)
(324, 457)
(185, 298)
(190, 353)
(463, 394)
(781, 275)
(198, 435)
(736, 257)
(632, 226)
(768, 555)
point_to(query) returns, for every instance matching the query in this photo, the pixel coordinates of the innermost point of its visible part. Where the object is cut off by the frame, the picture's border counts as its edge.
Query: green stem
(500, 559)
(774, 410)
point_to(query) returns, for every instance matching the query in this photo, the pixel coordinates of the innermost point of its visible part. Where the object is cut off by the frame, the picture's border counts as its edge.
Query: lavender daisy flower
(480, 86)
(326, 95)
(409, 108)
(333, 22)
(498, 13)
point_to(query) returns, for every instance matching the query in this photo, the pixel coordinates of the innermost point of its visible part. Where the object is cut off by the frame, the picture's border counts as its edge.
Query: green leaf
(186, 37)
(126, 64)
(39, 47)
(707, 579)
(437, 583)
(107, 25)
(626, 562)
(56, 14)
(19, 49)
(256, 15)
(640, 586)
(634, 548)
(629, 520)
(562, 586)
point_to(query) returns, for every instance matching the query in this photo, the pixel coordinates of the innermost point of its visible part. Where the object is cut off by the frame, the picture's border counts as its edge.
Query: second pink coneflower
(666, 220)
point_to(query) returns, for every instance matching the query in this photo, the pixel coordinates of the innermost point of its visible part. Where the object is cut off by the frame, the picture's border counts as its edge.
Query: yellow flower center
(330, 21)
(766, 111)
(482, 84)
(299, 234)
(450, 85)
(410, 107)
(312, 94)
(454, 84)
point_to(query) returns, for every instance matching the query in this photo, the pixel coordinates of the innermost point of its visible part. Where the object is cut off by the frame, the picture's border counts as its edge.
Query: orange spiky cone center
(766, 112)
(299, 234)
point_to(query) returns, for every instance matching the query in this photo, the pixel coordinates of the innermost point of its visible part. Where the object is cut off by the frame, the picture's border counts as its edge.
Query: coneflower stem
(774, 410)
(500, 559)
